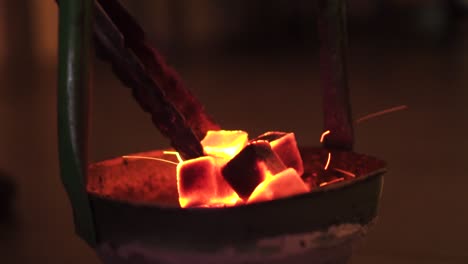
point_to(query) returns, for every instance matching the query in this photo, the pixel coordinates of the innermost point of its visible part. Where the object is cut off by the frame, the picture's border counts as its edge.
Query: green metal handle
(75, 28)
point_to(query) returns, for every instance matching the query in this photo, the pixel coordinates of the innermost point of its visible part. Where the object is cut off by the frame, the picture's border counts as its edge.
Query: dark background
(254, 65)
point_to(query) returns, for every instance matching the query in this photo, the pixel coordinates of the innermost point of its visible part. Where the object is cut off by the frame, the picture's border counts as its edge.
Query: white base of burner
(334, 245)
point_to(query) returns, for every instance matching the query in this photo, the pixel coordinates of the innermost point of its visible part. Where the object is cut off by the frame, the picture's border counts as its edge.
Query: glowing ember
(324, 134)
(149, 158)
(225, 194)
(328, 161)
(283, 184)
(200, 183)
(175, 153)
(285, 146)
(350, 174)
(236, 171)
(224, 144)
(250, 167)
(322, 137)
(331, 182)
(196, 181)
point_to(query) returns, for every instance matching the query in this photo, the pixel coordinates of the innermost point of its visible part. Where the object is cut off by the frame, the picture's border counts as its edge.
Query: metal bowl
(138, 220)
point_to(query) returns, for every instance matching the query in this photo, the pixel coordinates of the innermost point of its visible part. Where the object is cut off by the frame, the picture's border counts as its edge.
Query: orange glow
(350, 174)
(148, 158)
(331, 182)
(286, 149)
(196, 181)
(328, 161)
(267, 175)
(383, 112)
(231, 200)
(283, 184)
(223, 143)
(174, 153)
(225, 195)
(200, 181)
(324, 134)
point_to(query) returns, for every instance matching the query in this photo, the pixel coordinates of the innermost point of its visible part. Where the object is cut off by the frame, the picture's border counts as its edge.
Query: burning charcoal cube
(250, 167)
(283, 184)
(225, 194)
(196, 181)
(224, 143)
(285, 146)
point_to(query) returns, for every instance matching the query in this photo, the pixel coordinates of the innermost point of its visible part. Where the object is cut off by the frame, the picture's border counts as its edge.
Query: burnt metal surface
(121, 218)
(331, 21)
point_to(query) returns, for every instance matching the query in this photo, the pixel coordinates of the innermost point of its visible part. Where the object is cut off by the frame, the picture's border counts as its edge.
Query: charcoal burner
(138, 217)
(127, 209)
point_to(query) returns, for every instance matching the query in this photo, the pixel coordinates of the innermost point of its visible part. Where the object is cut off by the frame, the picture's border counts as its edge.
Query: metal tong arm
(110, 42)
(331, 21)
